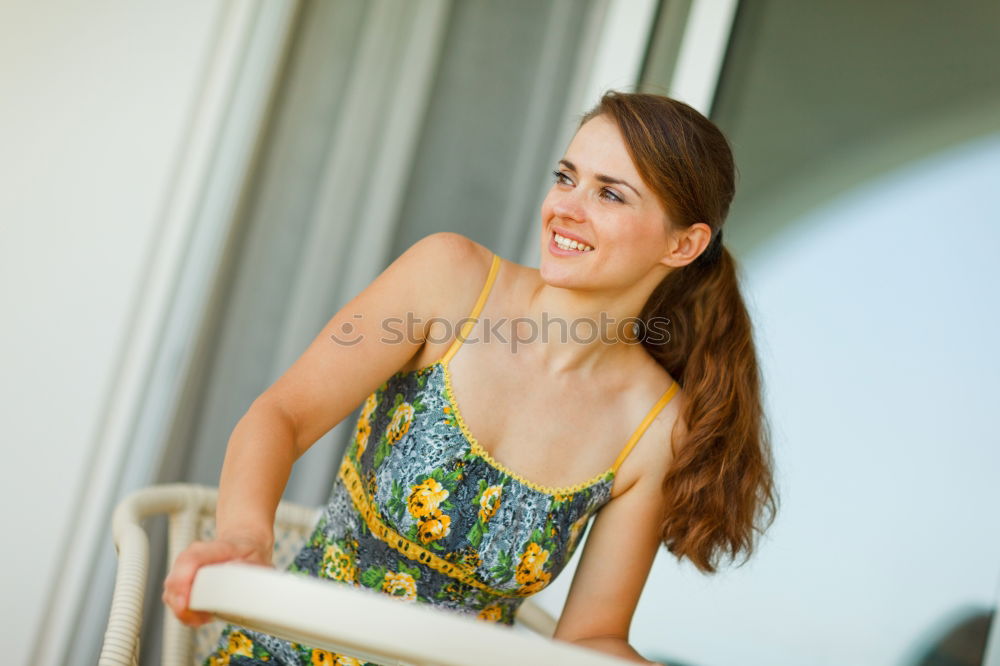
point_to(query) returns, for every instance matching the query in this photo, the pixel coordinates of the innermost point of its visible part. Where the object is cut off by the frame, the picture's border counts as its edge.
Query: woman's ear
(686, 245)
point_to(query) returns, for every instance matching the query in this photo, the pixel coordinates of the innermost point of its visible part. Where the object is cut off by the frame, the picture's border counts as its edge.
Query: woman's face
(598, 198)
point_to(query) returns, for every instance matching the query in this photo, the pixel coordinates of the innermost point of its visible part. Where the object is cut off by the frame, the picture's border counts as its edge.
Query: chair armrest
(183, 503)
(369, 625)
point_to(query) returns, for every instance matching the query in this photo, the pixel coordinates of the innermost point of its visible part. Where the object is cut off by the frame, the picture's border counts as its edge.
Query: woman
(562, 371)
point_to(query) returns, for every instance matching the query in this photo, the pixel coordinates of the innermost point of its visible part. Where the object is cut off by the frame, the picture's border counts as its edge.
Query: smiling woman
(657, 237)
(566, 431)
(686, 167)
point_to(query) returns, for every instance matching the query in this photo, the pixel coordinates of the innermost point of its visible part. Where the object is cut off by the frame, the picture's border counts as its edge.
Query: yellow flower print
(364, 430)
(344, 660)
(400, 585)
(402, 416)
(369, 407)
(537, 584)
(529, 572)
(453, 592)
(471, 558)
(563, 498)
(491, 613)
(437, 526)
(239, 644)
(337, 565)
(532, 559)
(322, 658)
(364, 423)
(425, 498)
(489, 502)
(538, 571)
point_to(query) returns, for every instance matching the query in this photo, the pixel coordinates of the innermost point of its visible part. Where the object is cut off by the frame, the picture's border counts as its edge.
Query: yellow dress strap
(660, 404)
(474, 315)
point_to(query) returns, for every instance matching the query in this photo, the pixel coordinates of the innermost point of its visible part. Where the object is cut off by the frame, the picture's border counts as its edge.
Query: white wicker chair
(292, 606)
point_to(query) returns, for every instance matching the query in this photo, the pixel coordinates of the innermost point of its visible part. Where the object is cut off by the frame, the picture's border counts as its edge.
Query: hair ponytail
(719, 489)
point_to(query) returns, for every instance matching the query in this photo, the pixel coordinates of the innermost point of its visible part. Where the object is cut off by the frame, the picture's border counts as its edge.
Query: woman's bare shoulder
(446, 261)
(448, 271)
(451, 249)
(652, 455)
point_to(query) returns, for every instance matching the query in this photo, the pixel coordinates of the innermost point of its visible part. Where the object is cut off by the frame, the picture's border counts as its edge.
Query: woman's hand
(177, 586)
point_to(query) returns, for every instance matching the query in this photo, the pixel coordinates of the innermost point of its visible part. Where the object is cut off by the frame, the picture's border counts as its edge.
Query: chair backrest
(190, 510)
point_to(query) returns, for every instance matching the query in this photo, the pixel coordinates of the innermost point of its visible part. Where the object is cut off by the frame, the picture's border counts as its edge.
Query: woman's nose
(570, 205)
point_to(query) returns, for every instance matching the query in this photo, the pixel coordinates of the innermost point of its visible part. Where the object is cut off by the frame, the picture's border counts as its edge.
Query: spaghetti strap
(470, 321)
(660, 404)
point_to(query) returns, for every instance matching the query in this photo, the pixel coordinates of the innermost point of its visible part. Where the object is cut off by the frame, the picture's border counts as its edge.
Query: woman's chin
(555, 275)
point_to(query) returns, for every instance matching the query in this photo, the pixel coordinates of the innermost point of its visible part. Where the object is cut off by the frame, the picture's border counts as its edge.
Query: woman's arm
(350, 358)
(619, 552)
(257, 465)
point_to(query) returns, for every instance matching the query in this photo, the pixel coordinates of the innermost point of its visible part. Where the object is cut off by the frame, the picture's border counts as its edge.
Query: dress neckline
(478, 449)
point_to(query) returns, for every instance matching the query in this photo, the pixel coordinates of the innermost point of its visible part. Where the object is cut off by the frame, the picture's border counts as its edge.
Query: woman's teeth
(568, 244)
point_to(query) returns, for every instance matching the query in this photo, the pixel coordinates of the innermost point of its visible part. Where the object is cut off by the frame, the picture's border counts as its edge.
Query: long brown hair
(720, 488)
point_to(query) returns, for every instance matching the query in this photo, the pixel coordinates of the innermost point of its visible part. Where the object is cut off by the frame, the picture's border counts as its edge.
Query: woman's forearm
(619, 647)
(258, 462)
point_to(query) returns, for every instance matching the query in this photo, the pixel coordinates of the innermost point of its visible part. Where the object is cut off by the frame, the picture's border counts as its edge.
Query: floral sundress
(421, 512)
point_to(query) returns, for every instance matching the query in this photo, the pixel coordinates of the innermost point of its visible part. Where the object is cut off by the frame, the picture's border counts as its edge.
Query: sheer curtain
(393, 120)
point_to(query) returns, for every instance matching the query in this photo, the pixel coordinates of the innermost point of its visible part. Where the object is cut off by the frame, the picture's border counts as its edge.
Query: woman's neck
(568, 331)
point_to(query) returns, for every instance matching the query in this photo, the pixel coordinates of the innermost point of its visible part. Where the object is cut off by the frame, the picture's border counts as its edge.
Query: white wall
(95, 101)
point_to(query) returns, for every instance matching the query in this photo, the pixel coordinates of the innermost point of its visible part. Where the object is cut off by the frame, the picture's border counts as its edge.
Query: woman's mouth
(567, 246)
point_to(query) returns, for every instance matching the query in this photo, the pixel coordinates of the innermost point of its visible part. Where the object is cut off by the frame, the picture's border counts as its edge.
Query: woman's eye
(609, 194)
(612, 194)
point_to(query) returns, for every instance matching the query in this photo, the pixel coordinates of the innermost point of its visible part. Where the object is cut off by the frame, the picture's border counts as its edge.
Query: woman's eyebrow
(603, 178)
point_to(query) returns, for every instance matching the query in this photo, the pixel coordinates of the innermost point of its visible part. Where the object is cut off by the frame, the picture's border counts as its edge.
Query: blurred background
(191, 189)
